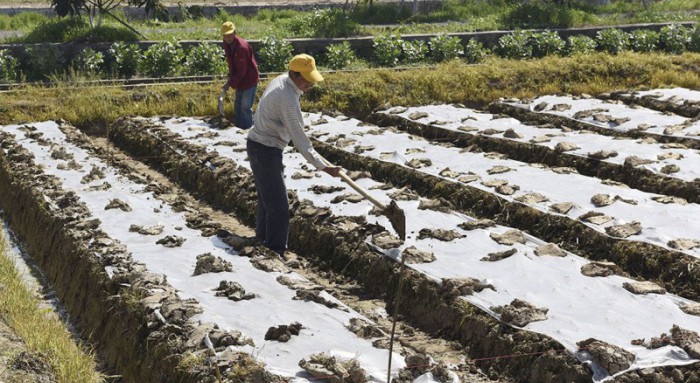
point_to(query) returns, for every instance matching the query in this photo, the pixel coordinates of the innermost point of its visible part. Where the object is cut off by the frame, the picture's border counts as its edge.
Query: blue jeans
(272, 220)
(243, 107)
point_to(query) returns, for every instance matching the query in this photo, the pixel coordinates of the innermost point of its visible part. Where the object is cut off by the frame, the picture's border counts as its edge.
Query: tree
(95, 9)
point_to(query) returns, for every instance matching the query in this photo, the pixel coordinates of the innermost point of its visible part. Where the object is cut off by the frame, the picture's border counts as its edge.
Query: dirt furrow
(116, 308)
(635, 177)
(160, 319)
(523, 114)
(687, 108)
(325, 240)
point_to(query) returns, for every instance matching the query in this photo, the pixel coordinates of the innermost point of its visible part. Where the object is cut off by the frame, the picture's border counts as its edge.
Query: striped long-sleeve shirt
(278, 120)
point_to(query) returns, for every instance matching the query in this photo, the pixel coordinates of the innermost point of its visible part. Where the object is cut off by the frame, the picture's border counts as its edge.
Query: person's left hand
(333, 170)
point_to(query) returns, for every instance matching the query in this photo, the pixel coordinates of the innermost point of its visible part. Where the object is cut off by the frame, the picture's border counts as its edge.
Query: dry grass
(42, 331)
(359, 93)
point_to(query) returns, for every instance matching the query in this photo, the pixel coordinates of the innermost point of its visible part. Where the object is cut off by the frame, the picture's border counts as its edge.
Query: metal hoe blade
(397, 217)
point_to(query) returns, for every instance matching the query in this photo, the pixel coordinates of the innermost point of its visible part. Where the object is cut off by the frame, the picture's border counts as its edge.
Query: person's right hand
(224, 88)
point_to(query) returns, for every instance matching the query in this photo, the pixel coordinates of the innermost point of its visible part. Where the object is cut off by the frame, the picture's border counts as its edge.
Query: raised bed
(217, 178)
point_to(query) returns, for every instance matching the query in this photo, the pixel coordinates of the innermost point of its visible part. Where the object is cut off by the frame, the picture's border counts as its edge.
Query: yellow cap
(306, 65)
(227, 28)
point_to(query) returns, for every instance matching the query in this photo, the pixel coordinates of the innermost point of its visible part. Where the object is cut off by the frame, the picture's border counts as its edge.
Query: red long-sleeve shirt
(242, 67)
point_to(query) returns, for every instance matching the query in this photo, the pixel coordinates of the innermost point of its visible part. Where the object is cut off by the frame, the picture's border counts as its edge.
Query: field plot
(509, 269)
(616, 116)
(250, 297)
(664, 160)
(600, 204)
(539, 270)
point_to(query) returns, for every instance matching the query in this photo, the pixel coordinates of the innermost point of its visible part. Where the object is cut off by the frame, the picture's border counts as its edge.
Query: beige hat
(306, 65)
(227, 28)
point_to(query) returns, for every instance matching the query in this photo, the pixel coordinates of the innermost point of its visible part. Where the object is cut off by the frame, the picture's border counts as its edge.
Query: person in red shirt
(243, 75)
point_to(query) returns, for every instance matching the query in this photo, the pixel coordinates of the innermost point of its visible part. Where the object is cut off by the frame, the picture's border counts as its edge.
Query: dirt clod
(152, 230)
(550, 249)
(624, 231)
(520, 313)
(464, 286)
(644, 287)
(323, 366)
(600, 269)
(614, 359)
(532, 198)
(364, 329)
(118, 204)
(497, 256)
(233, 291)
(603, 154)
(208, 263)
(596, 218)
(171, 241)
(414, 255)
(509, 238)
(477, 224)
(317, 296)
(283, 333)
(441, 234)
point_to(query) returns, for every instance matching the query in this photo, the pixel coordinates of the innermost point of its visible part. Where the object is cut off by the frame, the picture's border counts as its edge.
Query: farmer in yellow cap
(243, 76)
(278, 121)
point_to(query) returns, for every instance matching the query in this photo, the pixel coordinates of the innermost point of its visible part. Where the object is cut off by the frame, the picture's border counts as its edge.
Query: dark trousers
(272, 220)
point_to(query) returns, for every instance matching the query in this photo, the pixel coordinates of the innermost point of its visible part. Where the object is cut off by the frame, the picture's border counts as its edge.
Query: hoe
(396, 215)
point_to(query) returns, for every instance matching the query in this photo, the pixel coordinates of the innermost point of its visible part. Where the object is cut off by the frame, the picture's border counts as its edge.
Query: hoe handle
(358, 188)
(361, 190)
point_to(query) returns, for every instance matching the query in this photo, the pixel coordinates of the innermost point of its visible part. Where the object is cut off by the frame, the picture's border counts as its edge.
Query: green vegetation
(168, 58)
(42, 332)
(58, 30)
(358, 93)
(360, 20)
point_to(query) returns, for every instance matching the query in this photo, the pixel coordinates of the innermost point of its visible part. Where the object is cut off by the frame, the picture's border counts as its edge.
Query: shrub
(444, 47)
(643, 40)
(88, 61)
(413, 52)
(22, 20)
(694, 44)
(162, 59)
(274, 54)
(323, 23)
(339, 56)
(546, 43)
(580, 44)
(380, 13)
(205, 59)
(386, 50)
(43, 61)
(475, 52)
(8, 67)
(538, 15)
(57, 30)
(674, 38)
(125, 59)
(106, 33)
(612, 40)
(514, 46)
